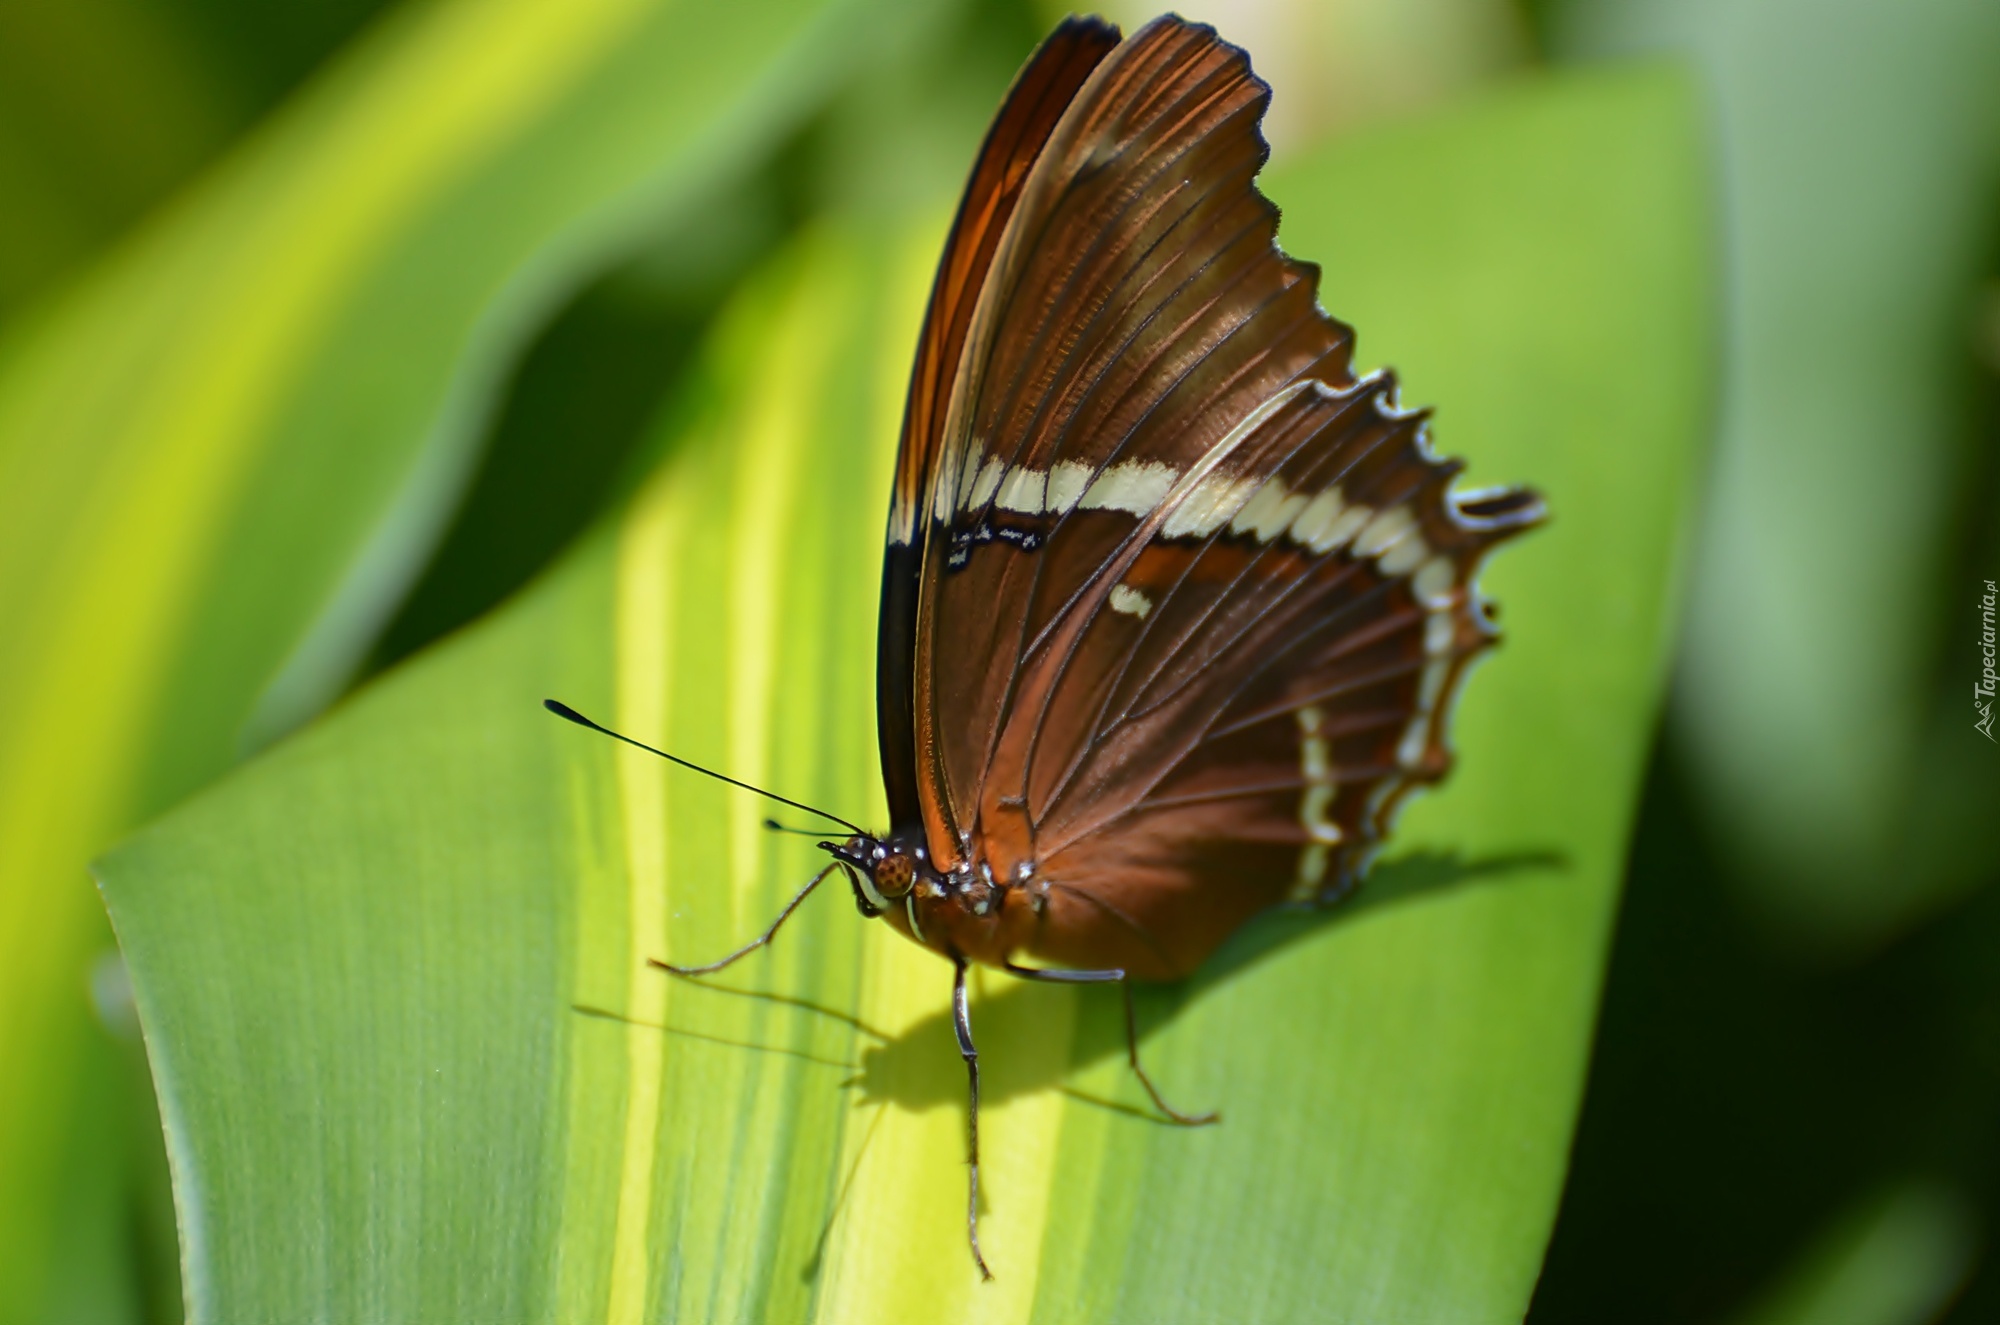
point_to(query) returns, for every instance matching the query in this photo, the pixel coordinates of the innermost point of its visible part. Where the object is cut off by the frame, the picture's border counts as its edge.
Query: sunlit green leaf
(223, 456)
(413, 1064)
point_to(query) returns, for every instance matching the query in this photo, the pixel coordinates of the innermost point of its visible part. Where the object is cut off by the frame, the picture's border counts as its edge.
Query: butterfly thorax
(963, 912)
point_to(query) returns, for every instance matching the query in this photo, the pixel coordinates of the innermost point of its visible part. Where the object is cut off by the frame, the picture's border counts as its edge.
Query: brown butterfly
(1174, 607)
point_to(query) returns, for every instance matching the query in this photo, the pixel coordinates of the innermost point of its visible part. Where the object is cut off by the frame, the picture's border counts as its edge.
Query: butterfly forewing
(1041, 92)
(1136, 311)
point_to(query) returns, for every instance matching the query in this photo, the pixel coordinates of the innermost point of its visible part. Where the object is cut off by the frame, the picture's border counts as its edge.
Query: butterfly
(1174, 605)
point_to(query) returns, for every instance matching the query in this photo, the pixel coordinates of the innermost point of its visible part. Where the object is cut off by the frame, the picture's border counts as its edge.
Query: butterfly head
(882, 871)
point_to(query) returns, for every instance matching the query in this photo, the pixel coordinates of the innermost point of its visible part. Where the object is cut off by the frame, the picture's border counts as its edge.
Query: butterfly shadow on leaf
(919, 1069)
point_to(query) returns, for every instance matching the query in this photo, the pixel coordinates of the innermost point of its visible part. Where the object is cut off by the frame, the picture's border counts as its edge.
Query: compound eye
(894, 875)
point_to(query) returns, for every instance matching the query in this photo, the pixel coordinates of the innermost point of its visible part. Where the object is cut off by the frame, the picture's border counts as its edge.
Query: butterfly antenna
(562, 710)
(774, 826)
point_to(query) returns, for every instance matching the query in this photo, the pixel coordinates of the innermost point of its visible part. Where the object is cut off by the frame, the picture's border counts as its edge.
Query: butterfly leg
(1061, 977)
(753, 944)
(961, 1020)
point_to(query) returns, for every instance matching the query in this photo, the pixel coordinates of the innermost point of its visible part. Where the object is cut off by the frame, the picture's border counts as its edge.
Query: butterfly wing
(1041, 92)
(1229, 719)
(1191, 601)
(1135, 312)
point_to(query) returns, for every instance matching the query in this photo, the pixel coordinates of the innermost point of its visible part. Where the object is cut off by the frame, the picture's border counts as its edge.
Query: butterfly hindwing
(1270, 675)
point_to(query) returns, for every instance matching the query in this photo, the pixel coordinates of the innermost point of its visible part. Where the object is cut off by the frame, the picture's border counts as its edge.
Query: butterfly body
(1175, 605)
(963, 912)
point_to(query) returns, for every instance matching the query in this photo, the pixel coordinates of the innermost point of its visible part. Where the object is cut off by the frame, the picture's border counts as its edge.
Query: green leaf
(104, 105)
(223, 456)
(1825, 606)
(1900, 1256)
(414, 1066)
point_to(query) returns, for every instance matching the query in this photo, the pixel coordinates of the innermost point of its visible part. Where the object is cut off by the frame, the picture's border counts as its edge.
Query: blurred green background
(1793, 1110)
